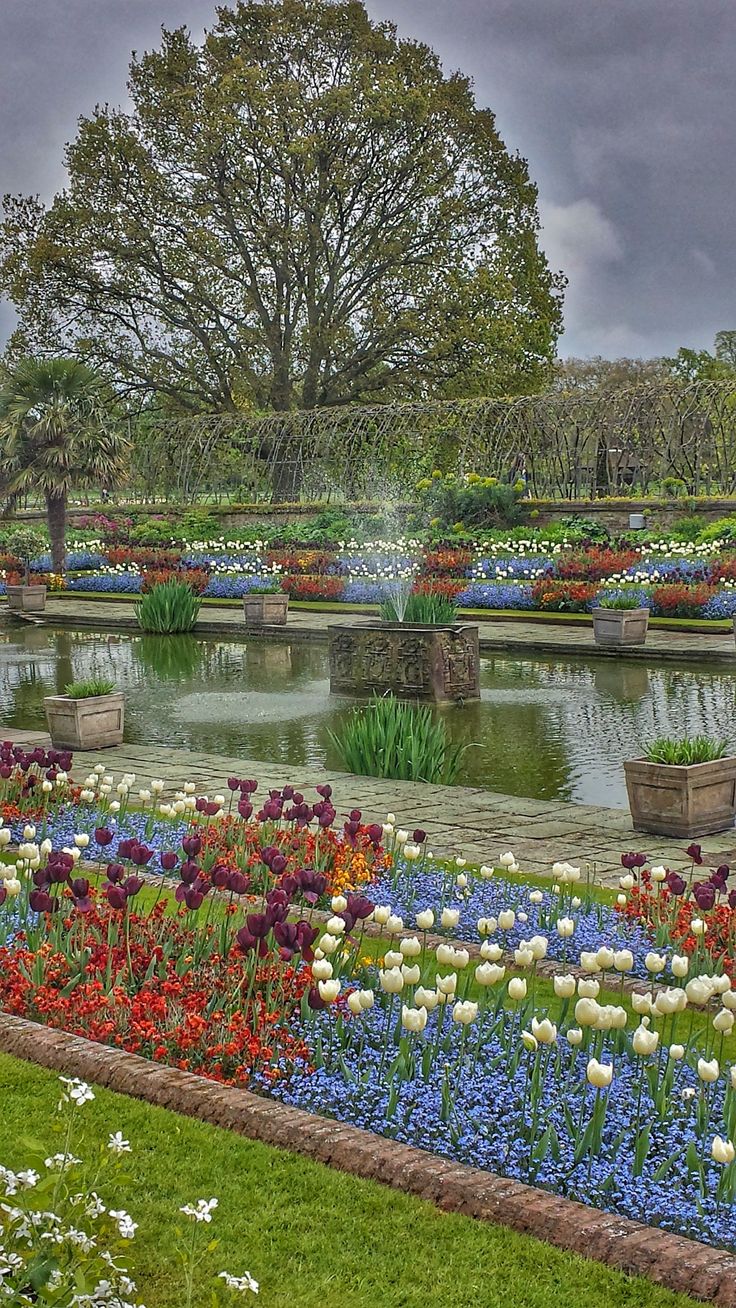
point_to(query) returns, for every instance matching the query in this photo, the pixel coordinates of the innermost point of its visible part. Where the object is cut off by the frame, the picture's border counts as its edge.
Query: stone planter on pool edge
(94, 723)
(265, 609)
(413, 661)
(620, 627)
(682, 801)
(26, 599)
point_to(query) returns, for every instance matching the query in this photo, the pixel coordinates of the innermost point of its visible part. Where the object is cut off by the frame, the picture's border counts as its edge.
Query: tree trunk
(56, 517)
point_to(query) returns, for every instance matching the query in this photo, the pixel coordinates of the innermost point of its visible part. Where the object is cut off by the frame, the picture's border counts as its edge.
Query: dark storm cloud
(624, 108)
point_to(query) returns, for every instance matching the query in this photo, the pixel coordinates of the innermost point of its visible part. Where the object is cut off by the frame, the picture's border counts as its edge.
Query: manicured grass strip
(314, 1238)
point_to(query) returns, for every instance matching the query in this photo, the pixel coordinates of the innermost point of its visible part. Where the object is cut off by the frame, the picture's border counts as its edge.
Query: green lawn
(312, 1237)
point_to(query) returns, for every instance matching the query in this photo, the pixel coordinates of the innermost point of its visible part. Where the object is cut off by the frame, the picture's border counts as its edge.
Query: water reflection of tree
(515, 748)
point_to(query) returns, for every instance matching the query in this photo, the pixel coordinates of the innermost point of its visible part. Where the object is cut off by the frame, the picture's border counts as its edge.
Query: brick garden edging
(673, 1261)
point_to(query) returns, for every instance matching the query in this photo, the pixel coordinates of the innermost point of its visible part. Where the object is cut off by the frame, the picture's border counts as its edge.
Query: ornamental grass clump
(685, 751)
(620, 601)
(89, 689)
(388, 738)
(429, 608)
(169, 607)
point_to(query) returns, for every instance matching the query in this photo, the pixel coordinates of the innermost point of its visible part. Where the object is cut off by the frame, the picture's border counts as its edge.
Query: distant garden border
(675, 1262)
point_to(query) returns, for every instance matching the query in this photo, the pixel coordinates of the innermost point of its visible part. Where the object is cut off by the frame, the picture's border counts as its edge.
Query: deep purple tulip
(325, 791)
(375, 833)
(245, 940)
(201, 804)
(40, 901)
(676, 884)
(125, 846)
(3, 895)
(115, 872)
(732, 899)
(245, 809)
(248, 787)
(359, 906)
(287, 792)
(220, 876)
(116, 896)
(141, 855)
(694, 852)
(258, 925)
(80, 894)
(631, 861)
(103, 836)
(287, 937)
(233, 783)
(189, 872)
(168, 860)
(132, 885)
(238, 883)
(307, 937)
(315, 1000)
(704, 895)
(355, 815)
(419, 836)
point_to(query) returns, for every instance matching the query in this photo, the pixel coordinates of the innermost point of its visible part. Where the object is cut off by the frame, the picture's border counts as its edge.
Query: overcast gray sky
(624, 109)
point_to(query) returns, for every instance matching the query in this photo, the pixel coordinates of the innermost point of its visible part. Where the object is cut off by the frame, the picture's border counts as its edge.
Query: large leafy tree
(301, 211)
(58, 432)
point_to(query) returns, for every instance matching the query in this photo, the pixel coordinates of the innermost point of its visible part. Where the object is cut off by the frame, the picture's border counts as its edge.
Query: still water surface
(546, 727)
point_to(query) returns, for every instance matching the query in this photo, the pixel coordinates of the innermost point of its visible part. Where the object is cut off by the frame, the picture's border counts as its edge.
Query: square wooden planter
(412, 661)
(682, 801)
(26, 599)
(620, 627)
(265, 610)
(94, 723)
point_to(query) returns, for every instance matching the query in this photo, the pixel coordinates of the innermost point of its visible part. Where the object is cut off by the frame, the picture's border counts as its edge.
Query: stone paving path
(513, 634)
(480, 824)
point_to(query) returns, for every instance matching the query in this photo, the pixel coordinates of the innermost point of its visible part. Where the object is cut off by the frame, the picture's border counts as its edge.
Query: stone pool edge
(675, 1262)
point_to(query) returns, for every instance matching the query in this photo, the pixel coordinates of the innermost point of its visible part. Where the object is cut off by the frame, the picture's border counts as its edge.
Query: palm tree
(58, 432)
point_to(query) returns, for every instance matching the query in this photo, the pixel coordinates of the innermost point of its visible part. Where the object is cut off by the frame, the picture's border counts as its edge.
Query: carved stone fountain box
(411, 660)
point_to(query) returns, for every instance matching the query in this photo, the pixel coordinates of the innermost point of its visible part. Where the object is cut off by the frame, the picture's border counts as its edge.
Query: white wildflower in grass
(201, 1211)
(244, 1284)
(126, 1226)
(76, 1092)
(117, 1144)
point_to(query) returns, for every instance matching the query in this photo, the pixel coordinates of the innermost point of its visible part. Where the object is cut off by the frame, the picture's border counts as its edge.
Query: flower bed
(231, 974)
(496, 574)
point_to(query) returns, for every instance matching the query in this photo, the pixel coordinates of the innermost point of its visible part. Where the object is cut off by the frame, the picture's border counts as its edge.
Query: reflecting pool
(547, 727)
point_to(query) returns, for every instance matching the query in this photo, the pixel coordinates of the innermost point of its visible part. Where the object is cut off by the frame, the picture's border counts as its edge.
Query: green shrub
(169, 607)
(452, 502)
(688, 528)
(404, 742)
(90, 688)
(577, 528)
(721, 529)
(681, 752)
(429, 608)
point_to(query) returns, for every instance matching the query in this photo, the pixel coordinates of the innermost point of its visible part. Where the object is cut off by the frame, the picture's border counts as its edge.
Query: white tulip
(402, 837)
(426, 998)
(413, 1019)
(544, 1031)
(599, 1075)
(381, 914)
(338, 903)
(425, 919)
(723, 1022)
(410, 947)
(506, 919)
(587, 1012)
(446, 985)
(13, 887)
(523, 957)
(574, 1036)
(658, 873)
(487, 926)
(445, 955)
(486, 872)
(721, 984)
(588, 987)
(328, 990)
(697, 926)
(729, 999)
(489, 974)
(644, 1041)
(605, 957)
(322, 969)
(538, 946)
(327, 943)
(589, 962)
(535, 897)
(641, 1003)
(529, 1042)
(411, 975)
(627, 882)
(698, 991)
(517, 988)
(354, 1002)
(367, 999)
(676, 1053)
(461, 881)
(461, 958)
(335, 926)
(392, 980)
(565, 927)
(564, 986)
(506, 860)
(722, 1151)
(412, 853)
(708, 1071)
(464, 1012)
(491, 951)
(394, 924)
(450, 917)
